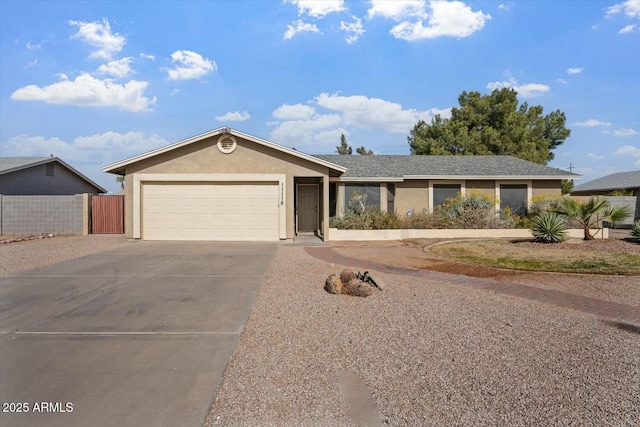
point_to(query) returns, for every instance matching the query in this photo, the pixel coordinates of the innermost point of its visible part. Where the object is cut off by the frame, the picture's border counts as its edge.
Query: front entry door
(307, 208)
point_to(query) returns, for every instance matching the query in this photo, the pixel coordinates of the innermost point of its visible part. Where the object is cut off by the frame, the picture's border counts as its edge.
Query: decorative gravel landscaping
(430, 354)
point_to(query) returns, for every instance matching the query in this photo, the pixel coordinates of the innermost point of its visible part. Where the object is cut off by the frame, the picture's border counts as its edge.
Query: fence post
(86, 214)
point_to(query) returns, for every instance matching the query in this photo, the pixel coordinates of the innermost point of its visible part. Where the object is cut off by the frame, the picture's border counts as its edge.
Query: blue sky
(96, 82)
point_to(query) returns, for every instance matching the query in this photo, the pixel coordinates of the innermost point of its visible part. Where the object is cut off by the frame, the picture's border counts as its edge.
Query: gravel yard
(25, 255)
(429, 354)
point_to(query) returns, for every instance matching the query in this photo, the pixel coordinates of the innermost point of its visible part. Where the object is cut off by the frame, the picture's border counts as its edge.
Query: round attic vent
(227, 144)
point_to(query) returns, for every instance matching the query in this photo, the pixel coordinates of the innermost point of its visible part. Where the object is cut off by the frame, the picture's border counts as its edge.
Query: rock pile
(347, 284)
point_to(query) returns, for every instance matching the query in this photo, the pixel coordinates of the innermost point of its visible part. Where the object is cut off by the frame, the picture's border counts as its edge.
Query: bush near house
(635, 230)
(471, 212)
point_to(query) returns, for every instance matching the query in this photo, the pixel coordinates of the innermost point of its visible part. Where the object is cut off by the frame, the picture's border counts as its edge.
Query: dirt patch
(410, 254)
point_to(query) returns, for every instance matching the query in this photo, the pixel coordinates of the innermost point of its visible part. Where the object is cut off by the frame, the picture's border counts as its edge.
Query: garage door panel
(210, 211)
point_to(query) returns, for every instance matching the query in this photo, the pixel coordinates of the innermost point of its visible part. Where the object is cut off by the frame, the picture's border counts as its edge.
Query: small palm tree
(587, 213)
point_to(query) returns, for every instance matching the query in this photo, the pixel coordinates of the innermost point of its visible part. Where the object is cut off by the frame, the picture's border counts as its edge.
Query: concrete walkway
(619, 312)
(139, 336)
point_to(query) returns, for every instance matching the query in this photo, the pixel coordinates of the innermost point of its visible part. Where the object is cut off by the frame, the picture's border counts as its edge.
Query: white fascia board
(215, 132)
(492, 177)
(155, 152)
(365, 179)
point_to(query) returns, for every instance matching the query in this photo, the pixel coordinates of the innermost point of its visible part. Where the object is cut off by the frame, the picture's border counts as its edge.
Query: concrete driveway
(134, 337)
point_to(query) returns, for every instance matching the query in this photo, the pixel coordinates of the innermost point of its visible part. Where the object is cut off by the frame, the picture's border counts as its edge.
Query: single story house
(622, 181)
(42, 176)
(228, 185)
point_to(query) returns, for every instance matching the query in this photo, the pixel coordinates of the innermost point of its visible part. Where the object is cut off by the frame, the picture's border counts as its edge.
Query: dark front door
(307, 208)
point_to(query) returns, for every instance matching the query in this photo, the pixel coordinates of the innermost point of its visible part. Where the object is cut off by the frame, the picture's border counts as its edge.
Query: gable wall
(204, 157)
(34, 181)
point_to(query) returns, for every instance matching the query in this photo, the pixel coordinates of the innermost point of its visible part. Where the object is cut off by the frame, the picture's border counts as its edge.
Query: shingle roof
(616, 181)
(399, 166)
(13, 164)
(9, 163)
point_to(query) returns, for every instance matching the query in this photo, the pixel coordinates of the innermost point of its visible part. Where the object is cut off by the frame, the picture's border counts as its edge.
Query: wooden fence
(107, 214)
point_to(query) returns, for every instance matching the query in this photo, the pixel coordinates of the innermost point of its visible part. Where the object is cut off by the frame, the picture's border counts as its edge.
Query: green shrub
(474, 211)
(635, 230)
(418, 221)
(367, 219)
(549, 227)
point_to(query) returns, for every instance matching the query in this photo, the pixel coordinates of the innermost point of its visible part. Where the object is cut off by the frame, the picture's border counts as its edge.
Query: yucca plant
(549, 227)
(635, 230)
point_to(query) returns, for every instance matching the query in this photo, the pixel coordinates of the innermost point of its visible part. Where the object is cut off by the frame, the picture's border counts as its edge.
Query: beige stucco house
(228, 185)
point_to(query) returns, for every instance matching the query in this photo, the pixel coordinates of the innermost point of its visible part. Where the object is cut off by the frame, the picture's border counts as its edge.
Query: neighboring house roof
(14, 164)
(616, 181)
(400, 167)
(118, 167)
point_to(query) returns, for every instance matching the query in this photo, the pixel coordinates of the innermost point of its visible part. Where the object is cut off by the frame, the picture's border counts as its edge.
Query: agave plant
(635, 230)
(549, 227)
(586, 213)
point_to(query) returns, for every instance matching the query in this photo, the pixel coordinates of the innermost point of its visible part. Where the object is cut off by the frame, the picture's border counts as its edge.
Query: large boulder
(347, 276)
(356, 288)
(333, 285)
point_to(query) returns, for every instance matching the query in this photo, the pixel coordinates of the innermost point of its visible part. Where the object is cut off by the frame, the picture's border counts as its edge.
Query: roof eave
(494, 177)
(118, 167)
(66, 165)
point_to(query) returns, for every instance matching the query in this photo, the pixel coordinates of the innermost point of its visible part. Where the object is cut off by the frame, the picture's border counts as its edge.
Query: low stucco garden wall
(512, 233)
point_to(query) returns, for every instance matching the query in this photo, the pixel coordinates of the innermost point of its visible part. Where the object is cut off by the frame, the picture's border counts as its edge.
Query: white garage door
(210, 211)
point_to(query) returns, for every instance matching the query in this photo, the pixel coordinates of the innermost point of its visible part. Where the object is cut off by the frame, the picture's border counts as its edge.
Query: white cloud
(443, 18)
(99, 35)
(575, 70)
(595, 156)
(354, 30)
(624, 132)
(373, 113)
(398, 9)
(107, 147)
(119, 68)
(175, 92)
(321, 121)
(147, 56)
(627, 29)
(298, 27)
(631, 8)
(312, 131)
(235, 116)
(562, 81)
(87, 91)
(294, 112)
(630, 151)
(32, 63)
(527, 90)
(318, 8)
(189, 65)
(504, 6)
(590, 123)
(33, 46)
